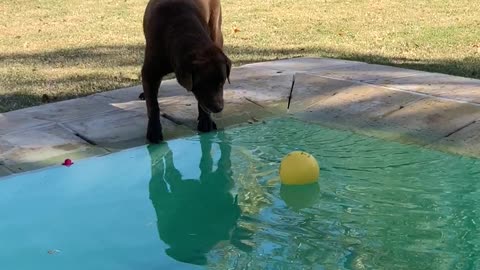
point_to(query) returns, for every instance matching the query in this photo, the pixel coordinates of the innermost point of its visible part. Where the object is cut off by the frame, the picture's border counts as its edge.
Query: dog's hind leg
(151, 78)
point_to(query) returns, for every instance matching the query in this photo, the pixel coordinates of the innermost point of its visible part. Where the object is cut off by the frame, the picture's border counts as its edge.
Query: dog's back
(160, 13)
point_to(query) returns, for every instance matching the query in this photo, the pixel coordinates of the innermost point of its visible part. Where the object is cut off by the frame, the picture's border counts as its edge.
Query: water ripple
(381, 205)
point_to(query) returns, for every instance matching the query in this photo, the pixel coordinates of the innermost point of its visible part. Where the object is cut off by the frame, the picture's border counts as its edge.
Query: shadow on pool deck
(437, 110)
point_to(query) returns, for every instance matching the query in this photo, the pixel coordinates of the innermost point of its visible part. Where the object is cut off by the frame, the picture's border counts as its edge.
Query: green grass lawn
(71, 48)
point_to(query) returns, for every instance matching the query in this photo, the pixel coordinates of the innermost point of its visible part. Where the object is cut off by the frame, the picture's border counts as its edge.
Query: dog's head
(205, 76)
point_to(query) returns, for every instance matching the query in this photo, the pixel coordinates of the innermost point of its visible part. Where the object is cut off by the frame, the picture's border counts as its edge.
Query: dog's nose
(216, 105)
(216, 108)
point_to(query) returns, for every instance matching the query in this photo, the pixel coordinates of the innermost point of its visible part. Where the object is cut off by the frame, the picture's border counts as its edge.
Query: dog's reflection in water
(190, 191)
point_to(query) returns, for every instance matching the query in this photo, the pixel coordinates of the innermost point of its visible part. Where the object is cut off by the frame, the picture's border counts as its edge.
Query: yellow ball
(299, 168)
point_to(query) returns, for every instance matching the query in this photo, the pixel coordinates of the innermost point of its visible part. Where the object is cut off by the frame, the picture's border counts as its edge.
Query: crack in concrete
(401, 107)
(460, 128)
(8, 169)
(397, 89)
(291, 92)
(85, 139)
(81, 136)
(254, 102)
(173, 119)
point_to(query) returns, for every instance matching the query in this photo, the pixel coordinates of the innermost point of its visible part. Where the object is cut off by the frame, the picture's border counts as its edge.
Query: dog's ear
(229, 67)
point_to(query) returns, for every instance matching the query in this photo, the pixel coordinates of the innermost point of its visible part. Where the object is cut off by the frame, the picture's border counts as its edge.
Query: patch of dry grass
(71, 48)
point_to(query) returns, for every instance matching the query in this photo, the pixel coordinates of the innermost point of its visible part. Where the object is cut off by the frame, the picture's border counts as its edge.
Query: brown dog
(184, 37)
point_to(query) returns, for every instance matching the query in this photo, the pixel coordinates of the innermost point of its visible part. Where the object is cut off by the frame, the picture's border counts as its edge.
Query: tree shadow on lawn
(467, 67)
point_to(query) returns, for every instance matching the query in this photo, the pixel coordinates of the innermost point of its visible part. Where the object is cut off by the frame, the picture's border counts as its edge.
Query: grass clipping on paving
(60, 49)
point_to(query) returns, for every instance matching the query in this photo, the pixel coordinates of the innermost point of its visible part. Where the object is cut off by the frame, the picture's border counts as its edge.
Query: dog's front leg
(151, 83)
(205, 122)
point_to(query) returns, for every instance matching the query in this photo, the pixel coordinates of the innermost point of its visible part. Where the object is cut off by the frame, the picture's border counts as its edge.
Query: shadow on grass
(99, 56)
(467, 67)
(26, 91)
(23, 81)
(132, 55)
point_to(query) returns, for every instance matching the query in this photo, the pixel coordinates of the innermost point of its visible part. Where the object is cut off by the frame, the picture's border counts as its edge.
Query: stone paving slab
(70, 110)
(17, 121)
(242, 113)
(304, 64)
(349, 100)
(122, 129)
(312, 89)
(440, 85)
(263, 85)
(380, 111)
(340, 69)
(429, 120)
(41, 146)
(464, 142)
(345, 104)
(369, 73)
(168, 88)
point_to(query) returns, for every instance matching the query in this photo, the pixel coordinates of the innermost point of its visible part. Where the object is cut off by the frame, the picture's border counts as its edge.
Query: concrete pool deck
(429, 109)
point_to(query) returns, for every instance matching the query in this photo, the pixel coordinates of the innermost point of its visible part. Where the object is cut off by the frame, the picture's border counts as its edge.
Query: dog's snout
(216, 108)
(216, 105)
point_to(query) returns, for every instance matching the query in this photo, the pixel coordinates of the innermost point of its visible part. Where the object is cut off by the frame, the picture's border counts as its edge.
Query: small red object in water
(68, 162)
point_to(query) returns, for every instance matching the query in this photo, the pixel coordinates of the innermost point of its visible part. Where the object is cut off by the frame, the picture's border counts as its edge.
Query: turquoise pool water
(214, 202)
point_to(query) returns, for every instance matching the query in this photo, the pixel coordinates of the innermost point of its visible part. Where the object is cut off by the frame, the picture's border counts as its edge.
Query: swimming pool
(214, 202)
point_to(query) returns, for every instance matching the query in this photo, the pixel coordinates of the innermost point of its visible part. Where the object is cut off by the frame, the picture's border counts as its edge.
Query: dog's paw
(206, 125)
(141, 96)
(154, 132)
